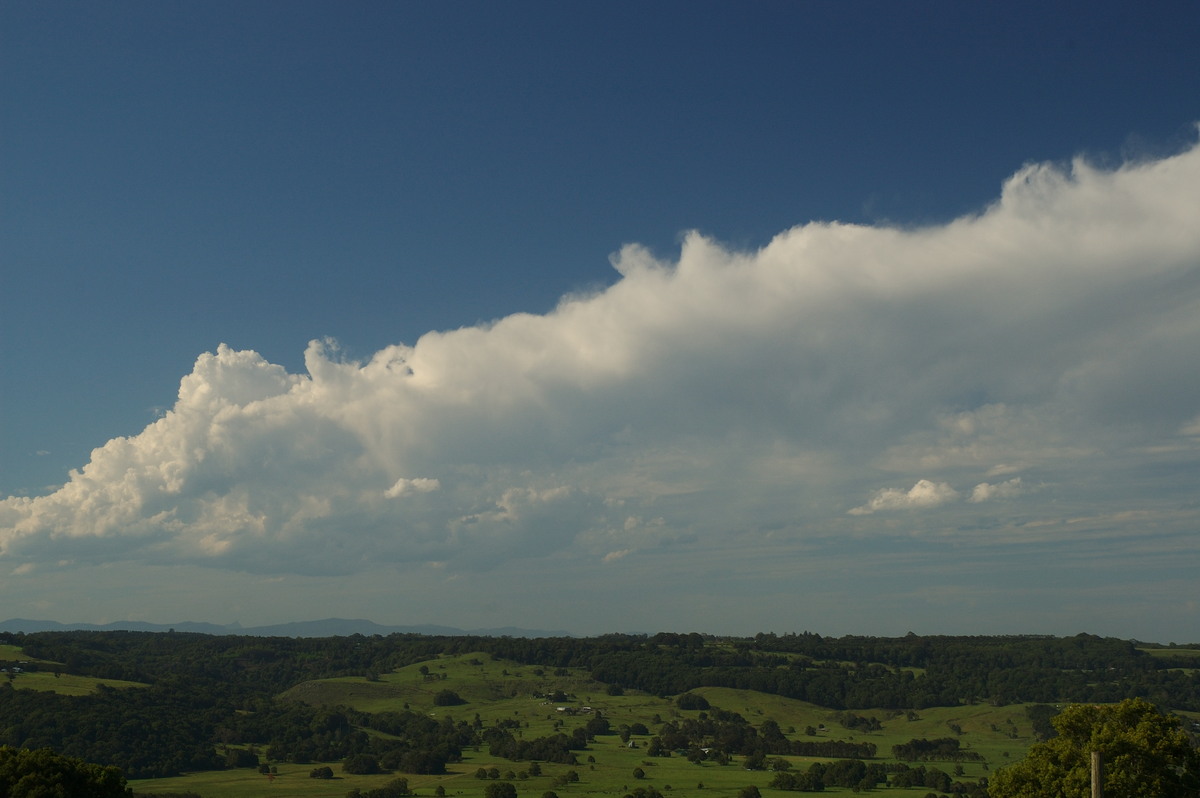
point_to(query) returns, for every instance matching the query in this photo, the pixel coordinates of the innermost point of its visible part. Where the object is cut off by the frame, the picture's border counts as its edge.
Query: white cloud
(418, 485)
(984, 491)
(922, 495)
(732, 397)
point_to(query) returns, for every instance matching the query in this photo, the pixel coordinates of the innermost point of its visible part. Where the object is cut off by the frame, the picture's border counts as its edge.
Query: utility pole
(1097, 775)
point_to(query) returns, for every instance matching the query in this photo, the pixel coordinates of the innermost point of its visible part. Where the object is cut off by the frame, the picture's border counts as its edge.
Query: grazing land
(670, 715)
(29, 673)
(502, 690)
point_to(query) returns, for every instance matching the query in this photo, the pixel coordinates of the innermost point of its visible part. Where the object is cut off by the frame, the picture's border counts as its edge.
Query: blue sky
(848, 317)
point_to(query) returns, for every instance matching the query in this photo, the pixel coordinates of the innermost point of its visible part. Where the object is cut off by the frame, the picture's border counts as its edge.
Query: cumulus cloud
(923, 494)
(722, 393)
(418, 485)
(985, 491)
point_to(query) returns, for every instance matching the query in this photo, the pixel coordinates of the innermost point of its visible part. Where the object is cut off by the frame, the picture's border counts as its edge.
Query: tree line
(207, 692)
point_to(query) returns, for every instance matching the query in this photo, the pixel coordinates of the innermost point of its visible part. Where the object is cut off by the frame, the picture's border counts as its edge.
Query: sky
(852, 318)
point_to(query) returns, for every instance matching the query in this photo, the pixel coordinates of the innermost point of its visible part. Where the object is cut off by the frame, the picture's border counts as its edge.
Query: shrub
(447, 698)
(361, 765)
(500, 789)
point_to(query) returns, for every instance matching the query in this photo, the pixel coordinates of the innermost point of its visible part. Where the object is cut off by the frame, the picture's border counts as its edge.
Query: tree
(34, 774)
(755, 761)
(447, 698)
(597, 726)
(1145, 755)
(500, 789)
(241, 758)
(422, 762)
(396, 788)
(361, 764)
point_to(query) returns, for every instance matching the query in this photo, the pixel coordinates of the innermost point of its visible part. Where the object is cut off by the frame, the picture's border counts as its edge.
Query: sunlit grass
(497, 689)
(66, 683)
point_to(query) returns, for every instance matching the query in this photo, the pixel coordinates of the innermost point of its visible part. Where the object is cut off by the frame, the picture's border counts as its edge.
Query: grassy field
(10, 654)
(43, 676)
(495, 689)
(1174, 653)
(67, 684)
(672, 780)
(1190, 650)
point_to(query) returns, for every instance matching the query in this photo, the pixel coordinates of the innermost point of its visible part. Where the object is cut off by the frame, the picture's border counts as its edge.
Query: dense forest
(204, 693)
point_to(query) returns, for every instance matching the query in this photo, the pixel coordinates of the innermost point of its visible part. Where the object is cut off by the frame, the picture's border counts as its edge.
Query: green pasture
(1178, 652)
(493, 689)
(67, 684)
(12, 655)
(289, 781)
(497, 689)
(38, 674)
(611, 774)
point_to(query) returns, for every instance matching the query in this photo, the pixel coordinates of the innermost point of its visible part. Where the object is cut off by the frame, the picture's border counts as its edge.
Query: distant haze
(329, 627)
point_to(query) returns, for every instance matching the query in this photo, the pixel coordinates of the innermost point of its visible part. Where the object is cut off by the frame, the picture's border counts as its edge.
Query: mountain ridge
(325, 627)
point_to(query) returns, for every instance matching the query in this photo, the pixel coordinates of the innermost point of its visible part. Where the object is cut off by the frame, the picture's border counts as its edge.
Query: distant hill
(329, 627)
